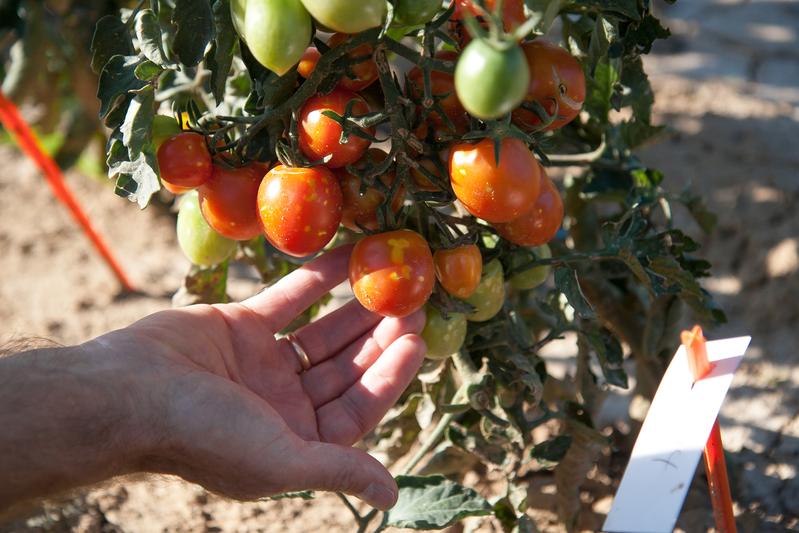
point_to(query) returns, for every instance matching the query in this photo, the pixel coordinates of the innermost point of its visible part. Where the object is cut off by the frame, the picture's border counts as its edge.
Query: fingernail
(379, 496)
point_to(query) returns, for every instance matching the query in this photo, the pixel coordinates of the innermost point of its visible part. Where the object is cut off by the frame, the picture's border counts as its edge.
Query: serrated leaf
(643, 35)
(551, 450)
(148, 32)
(116, 80)
(111, 38)
(604, 33)
(220, 56)
(567, 283)
(138, 120)
(142, 172)
(601, 89)
(195, 28)
(433, 502)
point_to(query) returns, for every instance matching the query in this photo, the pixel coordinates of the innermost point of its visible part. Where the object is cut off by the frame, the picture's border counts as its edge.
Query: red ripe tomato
(299, 208)
(392, 273)
(442, 84)
(319, 135)
(364, 73)
(512, 17)
(539, 225)
(228, 201)
(557, 83)
(184, 160)
(494, 193)
(308, 62)
(459, 269)
(361, 209)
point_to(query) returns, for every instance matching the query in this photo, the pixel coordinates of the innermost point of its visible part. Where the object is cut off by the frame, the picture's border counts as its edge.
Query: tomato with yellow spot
(228, 201)
(496, 193)
(299, 208)
(392, 273)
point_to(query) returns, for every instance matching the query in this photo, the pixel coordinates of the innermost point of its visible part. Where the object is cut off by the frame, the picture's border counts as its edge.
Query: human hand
(220, 402)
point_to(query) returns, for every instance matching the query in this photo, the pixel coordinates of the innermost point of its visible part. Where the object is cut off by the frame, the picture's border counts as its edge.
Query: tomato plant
(443, 336)
(320, 135)
(494, 192)
(201, 244)
(543, 220)
(228, 201)
(618, 272)
(391, 273)
(300, 208)
(459, 269)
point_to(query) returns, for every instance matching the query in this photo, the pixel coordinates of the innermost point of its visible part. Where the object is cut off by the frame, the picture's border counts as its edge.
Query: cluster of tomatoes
(393, 273)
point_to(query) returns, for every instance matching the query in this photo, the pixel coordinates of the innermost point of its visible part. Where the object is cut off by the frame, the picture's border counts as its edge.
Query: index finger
(283, 301)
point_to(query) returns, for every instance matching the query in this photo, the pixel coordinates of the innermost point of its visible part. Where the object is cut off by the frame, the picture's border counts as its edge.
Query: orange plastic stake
(715, 465)
(16, 125)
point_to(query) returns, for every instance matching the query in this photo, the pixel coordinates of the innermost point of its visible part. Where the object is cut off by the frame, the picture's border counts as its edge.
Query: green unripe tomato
(277, 32)
(162, 129)
(491, 80)
(443, 336)
(489, 296)
(201, 244)
(237, 9)
(347, 16)
(532, 277)
(415, 12)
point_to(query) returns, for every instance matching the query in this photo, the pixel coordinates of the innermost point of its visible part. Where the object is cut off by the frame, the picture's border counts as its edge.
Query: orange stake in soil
(14, 123)
(715, 465)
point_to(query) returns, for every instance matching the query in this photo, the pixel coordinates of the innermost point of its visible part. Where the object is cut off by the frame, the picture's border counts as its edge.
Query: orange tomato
(459, 269)
(540, 224)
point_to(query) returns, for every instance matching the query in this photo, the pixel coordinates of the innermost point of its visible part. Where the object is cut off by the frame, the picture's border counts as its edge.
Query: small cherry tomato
(491, 80)
(300, 208)
(489, 297)
(532, 277)
(308, 62)
(458, 269)
(512, 12)
(201, 244)
(541, 222)
(392, 273)
(276, 31)
(229, 201)
(347, 16)
(319, 135)
(443, 336)
(364, 73)
(184, 160)
(361, 209)
(442, 89)
(557, 83)
(496, 193)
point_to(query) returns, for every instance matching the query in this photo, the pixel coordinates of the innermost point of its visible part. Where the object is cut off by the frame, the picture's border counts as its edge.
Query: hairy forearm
(65, 421)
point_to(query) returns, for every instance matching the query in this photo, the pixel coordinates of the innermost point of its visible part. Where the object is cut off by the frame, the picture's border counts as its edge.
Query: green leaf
(111, 38)
(552, 450)
(610, 355)
(116, 80)
(566, 282)
(601, 89)
(433, 502)
(138, 180)
(148, 33)
(604, 33)
(138, 120)
(147, 71)
(545, 12)
(206, 285)
(194, 21)
(626, 8)
(220, 56)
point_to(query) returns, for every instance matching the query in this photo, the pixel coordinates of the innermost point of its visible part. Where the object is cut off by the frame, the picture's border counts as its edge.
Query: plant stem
(353, 510)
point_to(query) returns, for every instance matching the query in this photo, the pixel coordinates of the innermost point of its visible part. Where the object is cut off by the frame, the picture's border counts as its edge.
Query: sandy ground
(728, 86)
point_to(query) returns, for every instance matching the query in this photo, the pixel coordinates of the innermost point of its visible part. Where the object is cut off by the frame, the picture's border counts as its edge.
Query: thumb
(344, 469)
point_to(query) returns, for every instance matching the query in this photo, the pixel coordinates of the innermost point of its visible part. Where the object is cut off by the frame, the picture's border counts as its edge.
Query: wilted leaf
(139, 178)
(566, 282)
(551, 450)
(149, 35)
(203, 285)
(136, 128)
(433, 502)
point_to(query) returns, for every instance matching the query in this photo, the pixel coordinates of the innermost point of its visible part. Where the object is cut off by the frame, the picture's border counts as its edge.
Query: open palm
(233, 408)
